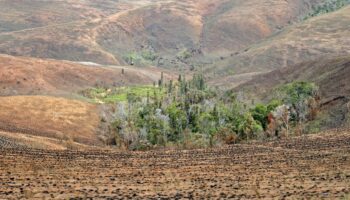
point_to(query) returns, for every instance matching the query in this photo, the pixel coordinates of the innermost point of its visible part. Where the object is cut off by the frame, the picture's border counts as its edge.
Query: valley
(165, 99)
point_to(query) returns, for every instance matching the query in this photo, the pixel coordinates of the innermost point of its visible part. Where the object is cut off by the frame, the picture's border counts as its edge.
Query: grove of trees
(190, 114)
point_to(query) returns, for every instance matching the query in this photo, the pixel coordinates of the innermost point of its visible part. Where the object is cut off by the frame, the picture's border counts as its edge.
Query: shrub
(148, 55)
(184, 54)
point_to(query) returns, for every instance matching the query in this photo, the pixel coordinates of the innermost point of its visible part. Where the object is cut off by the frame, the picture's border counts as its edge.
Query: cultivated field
(312, 167)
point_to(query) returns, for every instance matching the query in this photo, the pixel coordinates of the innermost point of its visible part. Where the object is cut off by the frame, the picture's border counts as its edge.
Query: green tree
(297, 95)
(208, 126)
(177, 119)
(260, 113)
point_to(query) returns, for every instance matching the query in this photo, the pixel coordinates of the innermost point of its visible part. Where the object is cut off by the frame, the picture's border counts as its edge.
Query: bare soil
(309, 167)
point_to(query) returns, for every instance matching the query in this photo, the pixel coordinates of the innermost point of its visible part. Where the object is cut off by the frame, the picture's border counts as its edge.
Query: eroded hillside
(110, 32)
(323, 36)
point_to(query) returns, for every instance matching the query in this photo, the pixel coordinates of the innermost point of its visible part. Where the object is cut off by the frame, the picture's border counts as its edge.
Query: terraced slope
(323, 36)
(312, 167)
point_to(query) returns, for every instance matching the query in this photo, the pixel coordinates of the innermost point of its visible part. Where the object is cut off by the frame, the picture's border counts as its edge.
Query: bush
(184, 54)
(226, 135)
(148, 55)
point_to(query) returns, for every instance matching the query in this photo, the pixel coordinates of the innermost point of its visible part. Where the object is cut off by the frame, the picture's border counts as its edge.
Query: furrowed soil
(309, 167)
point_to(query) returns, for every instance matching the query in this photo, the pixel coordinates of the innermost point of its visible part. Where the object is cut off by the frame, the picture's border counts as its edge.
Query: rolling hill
(234, 40)
(32, 76)
(323, 36)
(77, 105)
(109, 32)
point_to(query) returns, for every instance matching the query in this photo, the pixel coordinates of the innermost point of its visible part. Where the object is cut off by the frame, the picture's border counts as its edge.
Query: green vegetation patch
(143, 58)
(327, 7)
(121, 94)
(189, 114)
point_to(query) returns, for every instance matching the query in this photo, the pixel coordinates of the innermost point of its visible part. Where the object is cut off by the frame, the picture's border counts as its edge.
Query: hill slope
(107, 32)
(28, 76)
(326, 35)
(330, 74)
(50, 117)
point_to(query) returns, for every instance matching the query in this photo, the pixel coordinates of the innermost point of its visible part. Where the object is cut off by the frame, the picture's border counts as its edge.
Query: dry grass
(28, 76)
(323, 36)
(24, 140)
(50, 117)
(105, 33)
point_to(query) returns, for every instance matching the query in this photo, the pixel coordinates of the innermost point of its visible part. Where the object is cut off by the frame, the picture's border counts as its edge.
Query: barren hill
(107, 32)
(50, 117)
(28, 76)
(325, 35)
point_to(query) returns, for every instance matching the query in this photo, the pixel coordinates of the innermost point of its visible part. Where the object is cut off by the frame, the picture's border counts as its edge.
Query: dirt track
(313, 167)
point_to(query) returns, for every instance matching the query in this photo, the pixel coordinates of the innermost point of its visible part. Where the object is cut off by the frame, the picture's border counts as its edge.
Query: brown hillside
(50, 117)
(106, 32)
(27, 76)
(332, 75)
(234, 25)
(326, 35)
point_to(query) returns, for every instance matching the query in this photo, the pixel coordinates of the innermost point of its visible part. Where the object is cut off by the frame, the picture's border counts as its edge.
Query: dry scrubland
(311, 167)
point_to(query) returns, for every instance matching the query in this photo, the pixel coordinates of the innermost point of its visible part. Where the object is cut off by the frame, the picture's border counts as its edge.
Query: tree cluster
(189, 114)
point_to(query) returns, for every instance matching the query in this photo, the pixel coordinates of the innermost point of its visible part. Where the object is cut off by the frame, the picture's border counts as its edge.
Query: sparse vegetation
(184, 54)
(121, 94)
(148, 55)
(328, 6)
(143, 58)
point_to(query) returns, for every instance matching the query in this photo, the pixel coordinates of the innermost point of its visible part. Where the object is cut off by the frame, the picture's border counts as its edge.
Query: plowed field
(309, 167)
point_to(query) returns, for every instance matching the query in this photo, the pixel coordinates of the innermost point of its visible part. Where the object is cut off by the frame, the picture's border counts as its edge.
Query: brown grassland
(33, 76)
(50, 117)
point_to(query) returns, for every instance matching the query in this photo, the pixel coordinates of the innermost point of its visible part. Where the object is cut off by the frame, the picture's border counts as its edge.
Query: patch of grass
(4, 38)
(120, 94)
